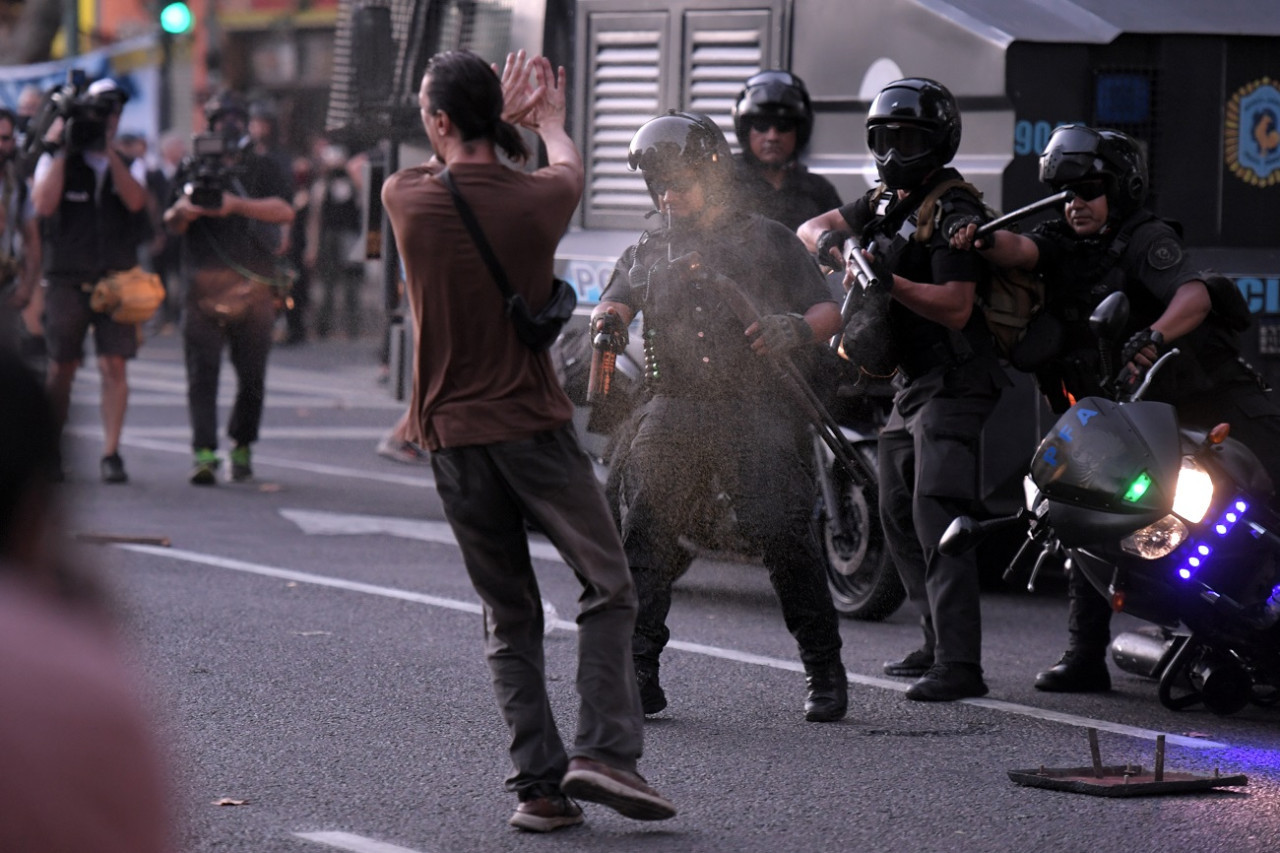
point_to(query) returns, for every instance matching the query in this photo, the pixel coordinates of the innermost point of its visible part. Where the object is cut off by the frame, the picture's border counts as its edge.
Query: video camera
(84, 112)
(208, 172)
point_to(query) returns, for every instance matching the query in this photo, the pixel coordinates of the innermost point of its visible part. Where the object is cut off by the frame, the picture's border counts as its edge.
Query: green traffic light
(175, 18)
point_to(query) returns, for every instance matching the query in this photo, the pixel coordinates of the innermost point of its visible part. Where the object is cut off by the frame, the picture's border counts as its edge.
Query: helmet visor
(1070, 155)
(907, 139)
(1074, 139)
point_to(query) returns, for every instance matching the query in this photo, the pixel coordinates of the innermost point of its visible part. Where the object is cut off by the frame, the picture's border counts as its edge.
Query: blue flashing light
(1242, 506)
(1204, 550)
(1185, 574)
(1193, 562)
(1222, 529)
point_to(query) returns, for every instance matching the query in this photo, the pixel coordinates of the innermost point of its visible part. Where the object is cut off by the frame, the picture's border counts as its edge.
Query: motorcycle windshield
(1117, 458)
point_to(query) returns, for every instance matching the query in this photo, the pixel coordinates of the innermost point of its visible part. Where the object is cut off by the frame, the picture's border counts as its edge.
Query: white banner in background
(134, 65)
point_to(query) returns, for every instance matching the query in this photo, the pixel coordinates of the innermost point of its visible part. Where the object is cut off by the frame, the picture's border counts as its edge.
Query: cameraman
(89, 200)
(229, 208)
(19, 243)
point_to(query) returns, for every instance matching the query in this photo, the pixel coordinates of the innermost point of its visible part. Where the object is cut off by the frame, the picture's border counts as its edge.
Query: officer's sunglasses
(1088, 190)
(908, 140)
(761, 124)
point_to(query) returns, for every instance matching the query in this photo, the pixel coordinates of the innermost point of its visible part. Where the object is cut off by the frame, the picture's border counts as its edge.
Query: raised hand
(549, 108)
(519, 94)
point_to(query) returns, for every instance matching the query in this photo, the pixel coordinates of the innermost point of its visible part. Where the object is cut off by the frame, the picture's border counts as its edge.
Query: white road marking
(165, 384)
(274, 400)
(319, 523)
(307, 577)
(421, 479)
(354, 843)
(312, 433)
(692, 648)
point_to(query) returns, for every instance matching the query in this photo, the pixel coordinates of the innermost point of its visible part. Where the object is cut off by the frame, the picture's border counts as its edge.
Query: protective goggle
(761, 124)
(907, 140)
(1087, 189)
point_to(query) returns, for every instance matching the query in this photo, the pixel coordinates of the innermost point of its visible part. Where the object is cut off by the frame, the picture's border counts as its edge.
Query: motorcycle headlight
(1156, 540)
(1194, 492)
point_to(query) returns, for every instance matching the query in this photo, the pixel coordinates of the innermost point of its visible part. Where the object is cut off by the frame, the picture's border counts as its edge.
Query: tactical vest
(83, 239)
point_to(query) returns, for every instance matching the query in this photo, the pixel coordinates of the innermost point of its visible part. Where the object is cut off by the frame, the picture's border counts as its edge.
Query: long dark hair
(464, 86)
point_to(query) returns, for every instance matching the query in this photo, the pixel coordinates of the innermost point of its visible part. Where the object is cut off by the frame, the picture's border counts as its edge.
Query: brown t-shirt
(474, 381)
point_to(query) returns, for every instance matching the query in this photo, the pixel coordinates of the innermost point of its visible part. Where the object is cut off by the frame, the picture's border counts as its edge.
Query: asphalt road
(314, 650)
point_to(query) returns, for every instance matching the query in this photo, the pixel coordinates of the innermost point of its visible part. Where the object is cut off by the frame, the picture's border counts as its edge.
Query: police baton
(1021, 213)
(792, 381)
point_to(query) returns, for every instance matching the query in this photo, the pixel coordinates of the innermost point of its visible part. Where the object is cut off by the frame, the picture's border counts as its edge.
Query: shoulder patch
(1164, 253)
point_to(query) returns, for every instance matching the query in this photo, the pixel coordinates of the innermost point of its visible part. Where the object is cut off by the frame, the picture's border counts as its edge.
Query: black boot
(652, 697)
(948, 682)
(828, 696)
(1076, 672)
(912, 665)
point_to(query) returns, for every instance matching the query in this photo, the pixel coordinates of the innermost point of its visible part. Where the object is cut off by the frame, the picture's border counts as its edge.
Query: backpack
(1011, 298)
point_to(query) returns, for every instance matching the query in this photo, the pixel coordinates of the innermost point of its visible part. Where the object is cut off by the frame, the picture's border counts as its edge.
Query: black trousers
(758, 453)
(248, 340)
(928, 453)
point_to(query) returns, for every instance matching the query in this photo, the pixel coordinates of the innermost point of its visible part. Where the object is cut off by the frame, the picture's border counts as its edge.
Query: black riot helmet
(677, 142)
(228, 116)
(1076, 153)
(913, 128)
(773, 95)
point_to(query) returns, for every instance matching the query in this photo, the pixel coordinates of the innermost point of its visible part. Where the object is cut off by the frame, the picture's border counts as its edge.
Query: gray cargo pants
(488, 491)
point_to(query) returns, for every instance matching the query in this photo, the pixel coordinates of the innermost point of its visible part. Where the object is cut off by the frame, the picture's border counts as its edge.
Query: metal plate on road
(1121, 781)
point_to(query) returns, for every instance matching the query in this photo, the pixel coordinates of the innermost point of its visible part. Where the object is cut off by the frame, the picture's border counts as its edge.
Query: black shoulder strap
(1120, 242)
(477, 235)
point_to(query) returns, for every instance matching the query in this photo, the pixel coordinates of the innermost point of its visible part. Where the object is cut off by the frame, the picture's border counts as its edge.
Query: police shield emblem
(1252, 133)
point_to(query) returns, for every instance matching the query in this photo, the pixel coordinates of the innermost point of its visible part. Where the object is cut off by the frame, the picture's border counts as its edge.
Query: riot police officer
(1108, 241)
(773, 120)
(951, 378)
(723, 293)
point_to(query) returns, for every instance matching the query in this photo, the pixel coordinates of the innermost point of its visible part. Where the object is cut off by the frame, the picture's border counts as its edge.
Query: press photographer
(91, 203)
(229, 207)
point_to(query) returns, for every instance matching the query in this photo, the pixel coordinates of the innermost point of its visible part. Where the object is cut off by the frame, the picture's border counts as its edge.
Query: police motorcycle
(1171, 525)
(863, 581)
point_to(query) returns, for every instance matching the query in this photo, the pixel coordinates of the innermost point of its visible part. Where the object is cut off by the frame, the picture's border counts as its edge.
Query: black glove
(956, 221)
(1131, 373)
(782, 332)
(608, 332)
(1148, 337)
(832, 239)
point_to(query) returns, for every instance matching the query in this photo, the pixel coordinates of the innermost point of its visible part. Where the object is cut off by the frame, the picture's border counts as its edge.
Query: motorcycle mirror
(1109, 319)
(962, 534)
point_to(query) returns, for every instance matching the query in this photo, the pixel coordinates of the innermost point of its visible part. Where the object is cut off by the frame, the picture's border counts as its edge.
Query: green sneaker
(241, 467)
(205, 471)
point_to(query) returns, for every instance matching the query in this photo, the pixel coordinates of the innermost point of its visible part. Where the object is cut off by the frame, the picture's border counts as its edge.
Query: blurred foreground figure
(79, 768)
